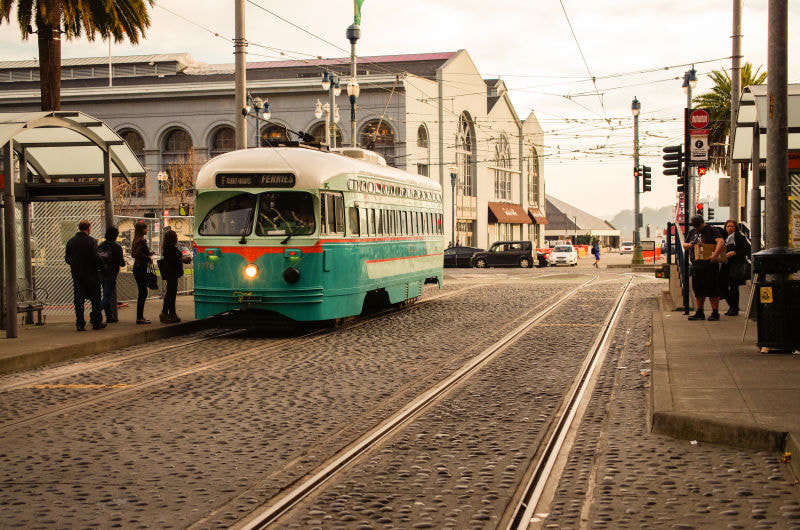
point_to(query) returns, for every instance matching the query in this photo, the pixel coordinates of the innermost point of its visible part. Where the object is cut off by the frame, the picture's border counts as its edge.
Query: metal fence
(54, 223)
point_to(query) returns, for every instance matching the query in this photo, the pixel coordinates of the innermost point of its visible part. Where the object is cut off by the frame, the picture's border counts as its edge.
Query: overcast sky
(547, 51)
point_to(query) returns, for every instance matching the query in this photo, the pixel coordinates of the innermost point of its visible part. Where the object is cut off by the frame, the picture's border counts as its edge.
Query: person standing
(705, 272)
(738, 249)
(108, 276)
(171, 269)
(84, 262)
(141, 259)
(596, 253)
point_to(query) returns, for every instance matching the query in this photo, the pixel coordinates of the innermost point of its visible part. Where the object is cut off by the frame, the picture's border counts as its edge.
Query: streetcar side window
(371, 221)
(354, 224)
(231, 217)
(362, 220)
(379, 222)
(332, 213)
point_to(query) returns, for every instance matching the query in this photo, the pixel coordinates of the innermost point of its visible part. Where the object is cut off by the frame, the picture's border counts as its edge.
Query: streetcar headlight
(251, 271)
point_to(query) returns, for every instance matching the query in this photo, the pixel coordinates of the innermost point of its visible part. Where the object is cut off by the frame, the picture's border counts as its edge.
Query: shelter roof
(753, 108)
(61, 146)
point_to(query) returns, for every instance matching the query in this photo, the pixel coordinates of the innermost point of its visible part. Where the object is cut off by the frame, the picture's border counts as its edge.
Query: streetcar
(311, 235)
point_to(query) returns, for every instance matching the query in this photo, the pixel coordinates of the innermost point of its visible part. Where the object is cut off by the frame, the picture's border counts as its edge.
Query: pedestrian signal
(701, 170)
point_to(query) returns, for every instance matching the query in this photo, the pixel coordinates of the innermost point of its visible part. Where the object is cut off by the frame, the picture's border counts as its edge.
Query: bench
(30, 301)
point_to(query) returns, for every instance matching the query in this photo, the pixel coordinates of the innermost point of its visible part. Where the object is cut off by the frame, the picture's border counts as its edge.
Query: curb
(29, 361)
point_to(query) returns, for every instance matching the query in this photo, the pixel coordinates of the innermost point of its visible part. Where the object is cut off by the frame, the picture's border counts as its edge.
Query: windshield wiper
(246, 229)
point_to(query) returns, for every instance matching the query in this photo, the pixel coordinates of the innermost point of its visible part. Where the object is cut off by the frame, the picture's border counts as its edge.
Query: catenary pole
(10, 249)
(777, 207)
(734, 168)
(239, 53)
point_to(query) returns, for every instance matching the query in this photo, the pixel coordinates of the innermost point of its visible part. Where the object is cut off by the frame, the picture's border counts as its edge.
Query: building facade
(432, 114)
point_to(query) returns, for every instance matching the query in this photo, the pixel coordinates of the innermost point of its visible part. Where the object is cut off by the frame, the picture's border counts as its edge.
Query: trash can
(777, 300)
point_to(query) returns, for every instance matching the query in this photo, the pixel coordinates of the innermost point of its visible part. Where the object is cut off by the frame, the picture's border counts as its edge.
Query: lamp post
(453, 179)
(353, 90)
(330, 83)
(637, 259)
(163, 177)
(690, 82)
(260, 110)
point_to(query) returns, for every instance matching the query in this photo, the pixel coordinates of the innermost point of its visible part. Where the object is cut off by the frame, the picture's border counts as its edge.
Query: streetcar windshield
(230, 217)
(285, 213)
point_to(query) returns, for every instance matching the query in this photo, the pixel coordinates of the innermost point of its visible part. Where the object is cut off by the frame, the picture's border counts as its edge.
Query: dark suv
(505, 254)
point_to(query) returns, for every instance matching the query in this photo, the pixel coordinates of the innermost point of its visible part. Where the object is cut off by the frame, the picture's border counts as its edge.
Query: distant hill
(657, 218)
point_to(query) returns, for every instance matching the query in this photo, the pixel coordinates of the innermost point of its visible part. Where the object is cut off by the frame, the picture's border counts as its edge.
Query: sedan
(459, 256)
(564, 255)
(626, 247)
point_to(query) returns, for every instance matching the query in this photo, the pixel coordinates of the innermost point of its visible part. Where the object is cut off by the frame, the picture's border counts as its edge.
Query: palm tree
(718, 104)
(109, 18)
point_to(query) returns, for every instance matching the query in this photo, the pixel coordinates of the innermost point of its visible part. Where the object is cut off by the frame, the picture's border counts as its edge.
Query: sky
(576, 64)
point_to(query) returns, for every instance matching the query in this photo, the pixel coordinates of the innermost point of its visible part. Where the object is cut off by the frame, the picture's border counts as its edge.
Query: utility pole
(353, 34)
(239, 53)
(637, 259)
(777, 206)
(734, 168)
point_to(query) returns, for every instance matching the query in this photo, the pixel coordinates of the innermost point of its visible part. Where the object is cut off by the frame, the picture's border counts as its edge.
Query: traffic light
(646, 179)
(672, 160)
(636, 172)
(710, 213)
(681, 184)
(699, 210)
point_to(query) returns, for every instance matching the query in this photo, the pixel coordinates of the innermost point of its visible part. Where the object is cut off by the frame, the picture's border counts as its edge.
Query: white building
(431, 114)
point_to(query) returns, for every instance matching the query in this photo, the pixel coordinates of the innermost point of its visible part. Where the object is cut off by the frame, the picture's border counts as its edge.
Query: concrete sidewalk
(57, 340)
(710, 385)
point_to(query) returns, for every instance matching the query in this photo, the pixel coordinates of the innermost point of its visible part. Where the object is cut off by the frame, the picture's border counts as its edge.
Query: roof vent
(361, 154)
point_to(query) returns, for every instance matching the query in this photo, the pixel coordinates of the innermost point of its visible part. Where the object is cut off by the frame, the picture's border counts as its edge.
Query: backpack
(104, 250)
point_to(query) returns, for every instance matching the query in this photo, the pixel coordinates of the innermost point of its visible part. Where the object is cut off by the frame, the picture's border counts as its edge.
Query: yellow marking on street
(80, 386)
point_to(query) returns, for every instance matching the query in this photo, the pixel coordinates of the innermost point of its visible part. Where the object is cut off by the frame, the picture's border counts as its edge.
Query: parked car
(563, 255)
(626, 247)
(541, 259)
(459, 256)
(505, 254)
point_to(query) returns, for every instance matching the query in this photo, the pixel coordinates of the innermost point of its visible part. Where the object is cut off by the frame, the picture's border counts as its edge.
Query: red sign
(699, 119)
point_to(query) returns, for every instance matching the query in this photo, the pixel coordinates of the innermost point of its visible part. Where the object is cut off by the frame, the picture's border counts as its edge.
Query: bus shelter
(51, 156)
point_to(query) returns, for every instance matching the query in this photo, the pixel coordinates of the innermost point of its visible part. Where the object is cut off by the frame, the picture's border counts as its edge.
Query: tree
(718, 104)
(53, 18)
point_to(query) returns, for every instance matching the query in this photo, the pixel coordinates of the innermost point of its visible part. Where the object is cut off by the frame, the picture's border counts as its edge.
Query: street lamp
(453, 179)
(260, 111)
(353, 34)
(637, 259)
(330, 83)
(690, 82)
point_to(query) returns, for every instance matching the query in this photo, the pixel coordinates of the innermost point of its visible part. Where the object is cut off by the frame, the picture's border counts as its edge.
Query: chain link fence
(54, 223)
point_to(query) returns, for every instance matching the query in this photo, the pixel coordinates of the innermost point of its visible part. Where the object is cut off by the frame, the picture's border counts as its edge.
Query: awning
(537, 216)
(505, 212)
(752, 122)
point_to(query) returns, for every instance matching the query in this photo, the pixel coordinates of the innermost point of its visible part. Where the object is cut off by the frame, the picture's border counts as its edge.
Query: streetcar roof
(311, 168)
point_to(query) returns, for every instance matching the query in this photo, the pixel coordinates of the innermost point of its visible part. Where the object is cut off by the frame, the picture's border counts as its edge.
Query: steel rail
(216, 363)
(264, 517)
(539, 472)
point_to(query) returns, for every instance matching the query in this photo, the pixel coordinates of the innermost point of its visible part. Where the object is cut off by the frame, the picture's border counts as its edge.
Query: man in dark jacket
(108, 275)
(705, 271)
(85, 263)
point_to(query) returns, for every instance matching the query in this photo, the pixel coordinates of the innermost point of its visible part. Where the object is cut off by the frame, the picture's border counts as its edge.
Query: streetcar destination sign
(255, 180)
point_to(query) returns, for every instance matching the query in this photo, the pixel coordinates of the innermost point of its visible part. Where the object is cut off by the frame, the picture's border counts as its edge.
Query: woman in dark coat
(738, 250)
(171, 266)
(141, 259)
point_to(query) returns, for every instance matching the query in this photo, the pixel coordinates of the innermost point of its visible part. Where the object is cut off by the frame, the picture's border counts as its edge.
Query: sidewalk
(57, 340)
(709, 385)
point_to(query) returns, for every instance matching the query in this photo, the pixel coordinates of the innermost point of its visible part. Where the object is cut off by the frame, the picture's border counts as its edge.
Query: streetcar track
(305, 486)
(260, 349)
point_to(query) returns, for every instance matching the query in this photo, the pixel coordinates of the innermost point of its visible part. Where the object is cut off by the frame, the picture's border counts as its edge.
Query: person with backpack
(84, 262)
(111, 254)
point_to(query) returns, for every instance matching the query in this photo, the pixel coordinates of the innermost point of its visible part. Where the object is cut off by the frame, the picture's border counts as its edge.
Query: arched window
(502, 163)
(464, 156)
(318, 132)
(177, 159)
(274, 134)
(423, 143)
(533, 178)
(135, 141)
(223, 141)
(378, 136)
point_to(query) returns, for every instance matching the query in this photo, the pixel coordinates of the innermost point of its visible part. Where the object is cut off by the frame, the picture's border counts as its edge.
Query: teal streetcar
(311, 234)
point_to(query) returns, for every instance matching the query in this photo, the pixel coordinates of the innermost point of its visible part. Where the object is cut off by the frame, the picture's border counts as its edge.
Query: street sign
(699, 119)
(699, 151)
